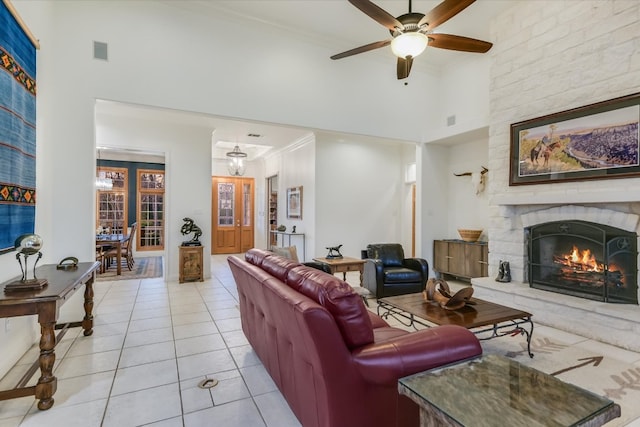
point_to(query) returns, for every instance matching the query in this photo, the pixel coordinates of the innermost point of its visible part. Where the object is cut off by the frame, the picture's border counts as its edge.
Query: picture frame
(294, 202)
(596, 141)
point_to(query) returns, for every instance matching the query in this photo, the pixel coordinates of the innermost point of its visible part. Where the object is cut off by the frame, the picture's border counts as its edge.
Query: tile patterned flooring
(153, 343)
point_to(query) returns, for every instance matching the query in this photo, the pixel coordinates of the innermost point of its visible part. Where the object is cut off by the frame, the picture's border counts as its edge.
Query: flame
(583, 260)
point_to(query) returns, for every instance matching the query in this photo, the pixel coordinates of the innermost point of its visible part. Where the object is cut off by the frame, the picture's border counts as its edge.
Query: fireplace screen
(585, 260)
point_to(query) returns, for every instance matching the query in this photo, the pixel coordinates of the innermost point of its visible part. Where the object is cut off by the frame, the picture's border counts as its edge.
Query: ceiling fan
(412, 32)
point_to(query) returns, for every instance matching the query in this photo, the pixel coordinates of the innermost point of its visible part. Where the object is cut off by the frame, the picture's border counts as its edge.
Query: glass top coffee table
(496, 391)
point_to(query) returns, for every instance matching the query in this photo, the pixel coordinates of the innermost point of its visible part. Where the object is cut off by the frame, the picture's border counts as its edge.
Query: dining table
(113, 241)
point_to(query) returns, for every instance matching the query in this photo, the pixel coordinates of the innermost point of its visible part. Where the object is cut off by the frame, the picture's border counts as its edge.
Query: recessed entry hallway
(153, 343)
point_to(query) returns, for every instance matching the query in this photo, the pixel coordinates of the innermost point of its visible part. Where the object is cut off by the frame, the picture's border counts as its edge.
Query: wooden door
(232, 224)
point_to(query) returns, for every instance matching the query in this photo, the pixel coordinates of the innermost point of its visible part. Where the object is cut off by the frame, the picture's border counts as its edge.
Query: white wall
(297, 168)
(433, 198)
(360, 190)
(466, 208)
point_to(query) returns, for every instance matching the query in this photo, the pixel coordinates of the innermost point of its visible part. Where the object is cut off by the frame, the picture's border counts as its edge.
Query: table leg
(87, 322)
(361, 270)
(47, 383)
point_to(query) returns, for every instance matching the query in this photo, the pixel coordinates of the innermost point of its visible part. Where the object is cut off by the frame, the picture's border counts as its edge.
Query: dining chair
(126, 249)
(100, 256)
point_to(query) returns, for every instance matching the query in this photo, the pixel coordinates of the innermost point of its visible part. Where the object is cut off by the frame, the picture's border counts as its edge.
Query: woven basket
(469, 235)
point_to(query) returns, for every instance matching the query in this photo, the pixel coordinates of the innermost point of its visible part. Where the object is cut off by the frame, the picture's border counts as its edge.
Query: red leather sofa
(336, 363)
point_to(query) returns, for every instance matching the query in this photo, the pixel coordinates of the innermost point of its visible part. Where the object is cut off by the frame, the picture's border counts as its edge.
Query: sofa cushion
(339, 299)
(391, 254)
(256, 256)
(401, 275)
(278, 266)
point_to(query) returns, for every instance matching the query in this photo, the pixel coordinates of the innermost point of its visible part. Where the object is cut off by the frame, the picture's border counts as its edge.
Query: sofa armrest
(418, 264)
(387, 361)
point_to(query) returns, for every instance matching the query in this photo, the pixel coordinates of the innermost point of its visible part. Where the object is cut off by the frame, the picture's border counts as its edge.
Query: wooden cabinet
(461, 259)
(191, 263)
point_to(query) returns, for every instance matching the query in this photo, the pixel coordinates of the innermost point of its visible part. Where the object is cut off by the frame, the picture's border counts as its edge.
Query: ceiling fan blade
(443, 12)
(362, 49)
(377, 14)
(404, 67)
(451, 42)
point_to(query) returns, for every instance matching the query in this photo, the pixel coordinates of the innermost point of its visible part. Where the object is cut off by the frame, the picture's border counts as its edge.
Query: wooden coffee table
(485, 319)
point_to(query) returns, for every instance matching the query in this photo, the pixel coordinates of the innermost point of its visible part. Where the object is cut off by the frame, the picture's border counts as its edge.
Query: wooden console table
(46, 304)
(461, 259)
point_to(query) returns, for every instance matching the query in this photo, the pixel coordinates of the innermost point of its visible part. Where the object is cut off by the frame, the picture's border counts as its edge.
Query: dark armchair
(387, 272)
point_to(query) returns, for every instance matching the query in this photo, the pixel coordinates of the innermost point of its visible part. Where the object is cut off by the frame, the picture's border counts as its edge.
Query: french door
(232, 225)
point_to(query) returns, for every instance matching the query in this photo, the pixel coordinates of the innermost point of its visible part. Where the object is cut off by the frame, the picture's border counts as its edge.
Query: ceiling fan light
(409, 44)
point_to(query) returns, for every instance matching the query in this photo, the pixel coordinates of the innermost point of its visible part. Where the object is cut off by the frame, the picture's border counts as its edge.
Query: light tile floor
(153, 343)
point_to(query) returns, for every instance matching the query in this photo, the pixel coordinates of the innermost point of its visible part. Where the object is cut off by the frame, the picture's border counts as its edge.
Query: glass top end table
(496, 391)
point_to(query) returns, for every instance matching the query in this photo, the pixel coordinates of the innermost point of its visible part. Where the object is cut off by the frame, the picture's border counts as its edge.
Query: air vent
(451, 120)
(254, 135)
(100, 51)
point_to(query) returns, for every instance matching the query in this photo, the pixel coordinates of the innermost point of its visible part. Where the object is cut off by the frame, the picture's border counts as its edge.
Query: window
(150, 209)
(226, 203)
(112, 204)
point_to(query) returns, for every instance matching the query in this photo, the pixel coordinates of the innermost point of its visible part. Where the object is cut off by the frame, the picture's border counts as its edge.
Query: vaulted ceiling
(335, 24)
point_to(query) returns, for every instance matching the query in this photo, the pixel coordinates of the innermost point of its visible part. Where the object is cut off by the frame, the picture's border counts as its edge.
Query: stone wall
(551, 56)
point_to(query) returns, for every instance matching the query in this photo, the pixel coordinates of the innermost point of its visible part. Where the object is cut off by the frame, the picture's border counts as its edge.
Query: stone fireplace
(583, 259)
(520, 228)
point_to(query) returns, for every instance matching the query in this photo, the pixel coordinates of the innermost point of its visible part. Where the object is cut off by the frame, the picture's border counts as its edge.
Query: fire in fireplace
(584, 259)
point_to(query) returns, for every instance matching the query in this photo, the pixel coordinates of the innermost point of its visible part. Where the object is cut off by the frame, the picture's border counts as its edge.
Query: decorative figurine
(282, 228)
(504, 272)
(334, 252)
(26, 245)
(293, 229)
(190, 227)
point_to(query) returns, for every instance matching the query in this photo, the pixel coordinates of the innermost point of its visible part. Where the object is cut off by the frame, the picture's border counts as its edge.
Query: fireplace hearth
(584, 259)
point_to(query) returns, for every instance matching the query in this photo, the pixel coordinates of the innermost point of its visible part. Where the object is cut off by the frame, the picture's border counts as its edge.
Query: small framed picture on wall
(294, 202)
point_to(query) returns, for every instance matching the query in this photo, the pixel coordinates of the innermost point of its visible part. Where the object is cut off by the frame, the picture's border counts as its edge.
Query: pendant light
(236, 161)
(102, 182)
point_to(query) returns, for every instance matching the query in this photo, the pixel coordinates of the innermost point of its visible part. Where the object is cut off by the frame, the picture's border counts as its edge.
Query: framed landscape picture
(596, 141)
(294, 202)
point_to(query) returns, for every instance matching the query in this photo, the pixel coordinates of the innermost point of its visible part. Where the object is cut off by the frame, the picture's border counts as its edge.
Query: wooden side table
(343, 265)
(191, 264)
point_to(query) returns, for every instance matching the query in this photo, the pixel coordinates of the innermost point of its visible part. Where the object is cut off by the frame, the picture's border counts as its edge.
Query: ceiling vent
(254, 135)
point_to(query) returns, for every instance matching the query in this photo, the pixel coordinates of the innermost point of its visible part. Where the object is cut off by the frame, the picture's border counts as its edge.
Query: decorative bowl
(469, 235)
